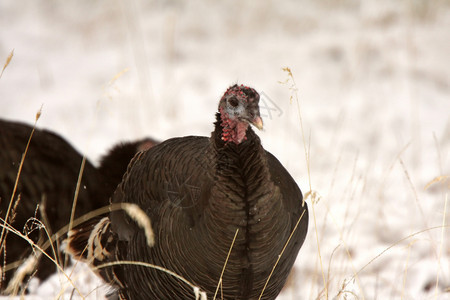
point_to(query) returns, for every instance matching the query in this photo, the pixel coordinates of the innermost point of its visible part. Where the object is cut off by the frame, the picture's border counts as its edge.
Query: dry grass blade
(141, 218)
(50, 241)
(47, 227)
(75, 199)
(133, 210)
(416, 196)
(406, 269)
(225, 264)
(395, 244)
(8, 211)
(29, 266)
(281, 254)
(111, 84)
(294, 94)
(195, 288)
(11, 229)
(340, 229)
(441, 248)
(8, 221)
(127, 207)
(77, 191)
(437, 179)
(329, 263)
(8, 60)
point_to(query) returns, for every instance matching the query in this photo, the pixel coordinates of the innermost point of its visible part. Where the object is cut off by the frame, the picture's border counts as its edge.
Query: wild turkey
(49, 178)
(198, 192)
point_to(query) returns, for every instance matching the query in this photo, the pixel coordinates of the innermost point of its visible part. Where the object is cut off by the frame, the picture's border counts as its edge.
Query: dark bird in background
(114, 164)
(49, 178)
(198, 192)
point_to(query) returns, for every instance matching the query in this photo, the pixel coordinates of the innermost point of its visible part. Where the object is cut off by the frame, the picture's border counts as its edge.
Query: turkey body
(196, 209)
(48, 180)
(199, 193)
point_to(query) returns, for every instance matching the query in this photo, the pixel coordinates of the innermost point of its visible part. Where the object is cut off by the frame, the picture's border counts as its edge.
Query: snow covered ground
(373, 81)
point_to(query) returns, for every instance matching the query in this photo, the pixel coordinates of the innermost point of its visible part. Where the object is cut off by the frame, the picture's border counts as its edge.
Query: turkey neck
(240, 170)
(242, 198)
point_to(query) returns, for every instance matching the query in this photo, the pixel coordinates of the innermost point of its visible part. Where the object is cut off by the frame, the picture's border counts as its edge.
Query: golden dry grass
(8, 60)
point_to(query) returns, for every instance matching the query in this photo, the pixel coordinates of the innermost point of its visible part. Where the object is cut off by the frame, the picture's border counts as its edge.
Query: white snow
(373, 80)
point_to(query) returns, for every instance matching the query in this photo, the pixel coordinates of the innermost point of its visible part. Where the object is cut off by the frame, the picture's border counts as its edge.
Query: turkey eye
(233, 101)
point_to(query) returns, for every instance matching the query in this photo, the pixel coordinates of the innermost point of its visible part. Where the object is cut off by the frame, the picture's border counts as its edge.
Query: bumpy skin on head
(198, 192)
(239, 108)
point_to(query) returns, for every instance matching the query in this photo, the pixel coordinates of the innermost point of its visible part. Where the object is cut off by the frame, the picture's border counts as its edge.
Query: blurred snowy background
(373, 81)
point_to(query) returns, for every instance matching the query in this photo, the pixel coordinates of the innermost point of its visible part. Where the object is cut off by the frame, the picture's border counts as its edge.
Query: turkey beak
(257, 122)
